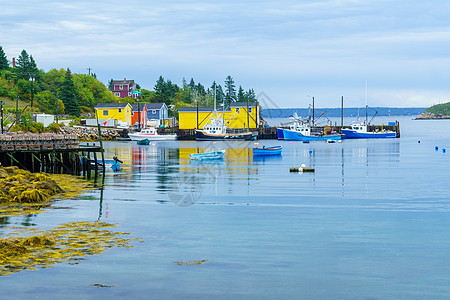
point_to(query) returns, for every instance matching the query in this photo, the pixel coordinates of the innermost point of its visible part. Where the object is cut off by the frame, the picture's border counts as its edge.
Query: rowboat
(143, 142)
(208, 155)
(265, 151)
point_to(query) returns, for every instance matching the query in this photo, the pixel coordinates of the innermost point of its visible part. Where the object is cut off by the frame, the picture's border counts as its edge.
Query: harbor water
(372, 222)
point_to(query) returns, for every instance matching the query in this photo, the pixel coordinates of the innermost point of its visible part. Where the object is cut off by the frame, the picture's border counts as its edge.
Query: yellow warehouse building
(236, 116)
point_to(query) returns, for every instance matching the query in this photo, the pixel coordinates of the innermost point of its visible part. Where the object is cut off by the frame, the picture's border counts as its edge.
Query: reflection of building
(238, 115)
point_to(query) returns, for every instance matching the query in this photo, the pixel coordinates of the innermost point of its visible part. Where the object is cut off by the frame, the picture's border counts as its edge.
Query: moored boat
(267, 151)
(207, 155)
(152, 135)
(143, 142)
(360, 131)
(302, 132)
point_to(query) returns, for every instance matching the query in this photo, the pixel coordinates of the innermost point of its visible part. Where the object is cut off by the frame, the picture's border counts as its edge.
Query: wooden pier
(50, 153)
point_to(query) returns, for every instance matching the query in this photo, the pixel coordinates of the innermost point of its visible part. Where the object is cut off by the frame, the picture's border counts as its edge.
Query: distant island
(436, 112)
(348, 112)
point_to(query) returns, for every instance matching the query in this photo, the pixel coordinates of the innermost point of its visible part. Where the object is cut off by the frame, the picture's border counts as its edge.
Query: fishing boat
(207, 155)
(216, 129)
(152, 135)
(303, 132)
(143, 142)
(267, 151)
(360, 131)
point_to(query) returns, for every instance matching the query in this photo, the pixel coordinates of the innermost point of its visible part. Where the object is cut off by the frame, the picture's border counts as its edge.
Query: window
(120, 110)
(117, 94)
(153, 111)
(129, 94)
(249, 110)
(105, 112)
(121, 87)
(237, 110)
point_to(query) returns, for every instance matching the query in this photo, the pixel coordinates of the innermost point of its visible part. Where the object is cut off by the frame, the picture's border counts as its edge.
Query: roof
(124, 81)
(200, 109)
(154, 105)
(111, 105)
(243, 104)
(134, 106)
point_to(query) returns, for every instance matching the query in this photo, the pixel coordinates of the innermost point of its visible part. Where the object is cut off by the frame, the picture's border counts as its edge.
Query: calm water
(373, 222)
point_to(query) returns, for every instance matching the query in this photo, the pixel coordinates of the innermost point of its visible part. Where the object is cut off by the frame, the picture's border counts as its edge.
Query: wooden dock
(50, 153)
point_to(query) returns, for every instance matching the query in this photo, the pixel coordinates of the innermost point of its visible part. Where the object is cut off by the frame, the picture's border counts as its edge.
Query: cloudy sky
(287, 51)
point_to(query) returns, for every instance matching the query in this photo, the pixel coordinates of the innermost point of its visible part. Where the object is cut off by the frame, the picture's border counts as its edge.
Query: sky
(374, 52)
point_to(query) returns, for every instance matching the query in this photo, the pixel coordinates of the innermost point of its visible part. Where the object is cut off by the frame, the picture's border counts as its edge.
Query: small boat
(266, 151)
(207, 155)
(360, 131)
(143, 142)
(152, 135)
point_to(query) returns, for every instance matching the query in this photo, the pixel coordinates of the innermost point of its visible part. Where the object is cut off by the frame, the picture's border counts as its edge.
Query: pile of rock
(90, 133)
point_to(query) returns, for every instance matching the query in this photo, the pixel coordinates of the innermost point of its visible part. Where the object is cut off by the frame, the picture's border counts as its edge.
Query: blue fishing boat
(360, 131)
(267, 151)
(302, 132)
(208, 155)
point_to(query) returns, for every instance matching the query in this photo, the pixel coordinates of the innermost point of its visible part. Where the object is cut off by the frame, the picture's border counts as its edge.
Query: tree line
(63, 92)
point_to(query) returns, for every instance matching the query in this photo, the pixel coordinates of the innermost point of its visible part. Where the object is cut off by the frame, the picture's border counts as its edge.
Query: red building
(139, 115)
(124, 88)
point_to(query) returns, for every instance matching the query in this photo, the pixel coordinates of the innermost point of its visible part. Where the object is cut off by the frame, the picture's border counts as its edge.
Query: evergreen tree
(230, 91)
(220, 95)
(250, 96)
(241, 95)
(110, 85)
(192, 84)
(68, 94)
(23, 65)
(3, 60)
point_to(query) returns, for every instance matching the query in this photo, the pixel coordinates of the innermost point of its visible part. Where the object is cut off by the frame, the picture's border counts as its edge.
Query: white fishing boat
(151, 134)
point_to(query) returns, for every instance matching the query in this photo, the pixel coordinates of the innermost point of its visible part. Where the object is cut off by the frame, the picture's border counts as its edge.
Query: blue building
(158, 114)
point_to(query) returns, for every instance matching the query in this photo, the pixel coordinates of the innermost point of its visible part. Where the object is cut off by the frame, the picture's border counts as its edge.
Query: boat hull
(270, 151)
(292, 135)
(163, 137)
(202, 136)
(280, 134)
(207, 155)
(352, 134)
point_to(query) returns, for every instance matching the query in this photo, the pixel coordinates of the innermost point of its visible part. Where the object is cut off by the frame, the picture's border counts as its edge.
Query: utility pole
(2, 114)
(32, 88)
(89, 69)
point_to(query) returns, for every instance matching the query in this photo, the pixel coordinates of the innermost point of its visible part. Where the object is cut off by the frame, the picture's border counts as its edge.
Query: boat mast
(366, 104)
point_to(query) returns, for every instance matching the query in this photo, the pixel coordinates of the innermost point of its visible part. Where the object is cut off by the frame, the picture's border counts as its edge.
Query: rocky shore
(431, 116)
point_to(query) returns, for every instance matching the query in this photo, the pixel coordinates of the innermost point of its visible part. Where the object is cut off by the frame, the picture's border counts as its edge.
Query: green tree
(68, 95)
(23, 65)
(250, 96)
(230, 91)
(3, 60)
(241, 95)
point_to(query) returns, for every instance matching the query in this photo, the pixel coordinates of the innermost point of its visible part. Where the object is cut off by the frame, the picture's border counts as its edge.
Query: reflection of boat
(275, 150)
(360, 131)
(143, 142)
(207, 155)
(152, 135)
